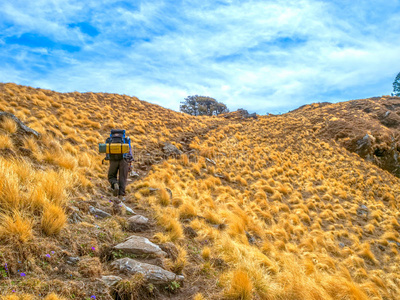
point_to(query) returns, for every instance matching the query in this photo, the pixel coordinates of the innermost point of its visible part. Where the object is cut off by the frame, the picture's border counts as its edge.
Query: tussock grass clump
(164, 197)
(6, 142)
(38, 200)
(177, 265)
(342, 288)
(241, 286)
(131, 288)
(53, 219)
(187, 211)
(9, 187)
(54, 185)
(173, 228)
(53, 296)
(199, 296)
(206, 253)
(9, 125)
(15, 228)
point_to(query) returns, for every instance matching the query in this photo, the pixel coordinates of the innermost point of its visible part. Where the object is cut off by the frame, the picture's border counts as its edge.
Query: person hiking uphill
(122, 166)
(119, 153)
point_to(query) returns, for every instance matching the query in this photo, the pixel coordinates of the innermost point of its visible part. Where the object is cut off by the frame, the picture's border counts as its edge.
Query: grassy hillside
(293, 207)
(368, 127)
(258, 209)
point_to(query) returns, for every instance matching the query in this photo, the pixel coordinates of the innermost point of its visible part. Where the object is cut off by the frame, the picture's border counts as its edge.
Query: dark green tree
(202, 106)
(396, 86)
(190, 106)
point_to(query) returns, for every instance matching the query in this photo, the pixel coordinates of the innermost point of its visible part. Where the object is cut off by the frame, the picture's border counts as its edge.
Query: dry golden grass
(53, 219)
(279, 207)
(9, 187)
(206, 253)
(173, 228)
(5, 142)
(53, 296)
(15, 228)
(199, 296)
(179, 263)
(18, 297)
(164, 197)
(8, 125)
(296, 205)
(241, 286)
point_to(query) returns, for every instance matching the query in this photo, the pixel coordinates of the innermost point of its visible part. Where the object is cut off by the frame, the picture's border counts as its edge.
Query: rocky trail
(139, 255)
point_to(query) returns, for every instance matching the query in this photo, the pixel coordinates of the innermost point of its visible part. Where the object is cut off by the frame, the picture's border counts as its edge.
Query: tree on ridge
(202, 106)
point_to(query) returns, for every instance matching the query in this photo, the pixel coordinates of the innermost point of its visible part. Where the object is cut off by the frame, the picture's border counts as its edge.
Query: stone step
(139, 245)
(153, 274)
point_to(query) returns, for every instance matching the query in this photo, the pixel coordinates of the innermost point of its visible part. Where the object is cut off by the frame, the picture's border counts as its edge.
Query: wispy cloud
(266, 56)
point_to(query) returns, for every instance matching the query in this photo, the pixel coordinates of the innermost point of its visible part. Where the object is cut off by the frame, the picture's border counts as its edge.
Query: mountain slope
(267, 208)
(304, 219)
(368, 127)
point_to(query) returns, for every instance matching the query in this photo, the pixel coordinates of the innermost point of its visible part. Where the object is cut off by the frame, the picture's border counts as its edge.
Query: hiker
(119, 153)
(122, 165)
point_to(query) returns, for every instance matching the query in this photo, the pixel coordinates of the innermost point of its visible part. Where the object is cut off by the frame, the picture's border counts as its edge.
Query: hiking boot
(115, 188)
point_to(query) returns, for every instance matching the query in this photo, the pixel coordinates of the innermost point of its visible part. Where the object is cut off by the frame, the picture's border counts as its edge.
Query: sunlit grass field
(278, 212)
(299, 200)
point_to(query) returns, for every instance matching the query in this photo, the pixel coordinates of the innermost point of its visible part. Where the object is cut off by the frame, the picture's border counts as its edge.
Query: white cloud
(260, 55)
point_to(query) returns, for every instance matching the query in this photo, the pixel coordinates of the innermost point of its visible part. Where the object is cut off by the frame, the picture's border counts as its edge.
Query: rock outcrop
(21, 126)
(153, 274)
(98, 213)
(139, 245)
(368, 127)
(138, 223)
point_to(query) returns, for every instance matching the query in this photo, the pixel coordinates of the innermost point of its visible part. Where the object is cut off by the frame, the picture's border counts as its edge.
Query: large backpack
(117, 146)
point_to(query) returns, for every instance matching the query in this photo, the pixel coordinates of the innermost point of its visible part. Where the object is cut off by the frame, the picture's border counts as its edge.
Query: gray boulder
(74, 217)
(363, 211)
(139, 245)
(111, 280)
(211, 161)
(366, 142)
(98, 213)
(138, 223)
(127, 208)
(72, 260)
(170, 149)
(153, 274)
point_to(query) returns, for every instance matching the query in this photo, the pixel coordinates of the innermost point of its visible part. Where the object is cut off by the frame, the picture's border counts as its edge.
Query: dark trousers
(122, 166)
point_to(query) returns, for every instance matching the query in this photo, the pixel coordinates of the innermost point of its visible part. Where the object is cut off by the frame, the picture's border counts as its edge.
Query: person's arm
(129, 155)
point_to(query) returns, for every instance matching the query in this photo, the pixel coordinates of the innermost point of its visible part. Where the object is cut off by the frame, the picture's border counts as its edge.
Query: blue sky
(264, 56)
